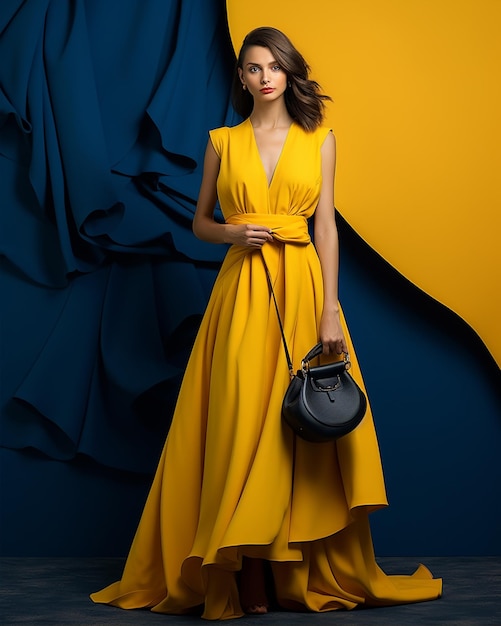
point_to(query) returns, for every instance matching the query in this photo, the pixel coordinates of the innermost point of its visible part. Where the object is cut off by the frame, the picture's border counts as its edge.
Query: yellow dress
(232, 479)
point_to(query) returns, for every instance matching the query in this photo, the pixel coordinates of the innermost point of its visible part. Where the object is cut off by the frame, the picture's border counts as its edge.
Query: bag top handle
(317, 351)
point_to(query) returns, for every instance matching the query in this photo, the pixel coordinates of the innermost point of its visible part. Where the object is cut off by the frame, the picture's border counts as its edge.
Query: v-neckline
(270, 181)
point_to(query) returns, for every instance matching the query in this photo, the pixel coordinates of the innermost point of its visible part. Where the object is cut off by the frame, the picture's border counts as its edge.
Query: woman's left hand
(331, 333)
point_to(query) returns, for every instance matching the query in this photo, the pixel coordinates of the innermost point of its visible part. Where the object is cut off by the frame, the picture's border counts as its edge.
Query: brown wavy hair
(303, 99)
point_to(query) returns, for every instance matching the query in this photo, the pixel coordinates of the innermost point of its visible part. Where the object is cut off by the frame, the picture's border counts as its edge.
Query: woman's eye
(276, 68)
(253, 69)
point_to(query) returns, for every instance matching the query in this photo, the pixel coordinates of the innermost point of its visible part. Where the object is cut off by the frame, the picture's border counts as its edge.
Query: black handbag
(322, 403)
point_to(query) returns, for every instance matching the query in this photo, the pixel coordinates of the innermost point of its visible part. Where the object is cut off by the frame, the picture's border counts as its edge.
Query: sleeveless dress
(232, 479)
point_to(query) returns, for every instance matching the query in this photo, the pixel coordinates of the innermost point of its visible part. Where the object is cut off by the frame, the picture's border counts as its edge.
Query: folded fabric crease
(102, 138)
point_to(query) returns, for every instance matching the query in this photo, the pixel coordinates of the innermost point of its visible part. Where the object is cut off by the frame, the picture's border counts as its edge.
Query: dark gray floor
(55, 592)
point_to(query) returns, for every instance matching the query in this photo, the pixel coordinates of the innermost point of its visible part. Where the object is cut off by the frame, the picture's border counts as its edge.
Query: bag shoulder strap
(317, 348)
(287, 354)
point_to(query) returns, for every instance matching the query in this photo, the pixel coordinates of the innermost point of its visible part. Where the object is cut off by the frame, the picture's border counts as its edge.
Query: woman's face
(262, 75)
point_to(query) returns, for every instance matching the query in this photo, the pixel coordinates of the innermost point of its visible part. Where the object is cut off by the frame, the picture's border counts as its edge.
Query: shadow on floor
(54, 591)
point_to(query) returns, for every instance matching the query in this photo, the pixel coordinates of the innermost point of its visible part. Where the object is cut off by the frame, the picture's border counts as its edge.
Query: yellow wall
(416, 113)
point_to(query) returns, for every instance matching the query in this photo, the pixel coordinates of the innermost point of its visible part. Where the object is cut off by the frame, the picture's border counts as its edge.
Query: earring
(244, 86)
(289, 83)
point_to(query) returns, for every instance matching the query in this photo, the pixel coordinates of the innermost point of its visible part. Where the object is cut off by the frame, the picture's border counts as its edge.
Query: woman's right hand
(248, 235)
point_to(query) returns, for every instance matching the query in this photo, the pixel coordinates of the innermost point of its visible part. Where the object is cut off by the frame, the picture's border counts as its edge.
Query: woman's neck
(270, 117)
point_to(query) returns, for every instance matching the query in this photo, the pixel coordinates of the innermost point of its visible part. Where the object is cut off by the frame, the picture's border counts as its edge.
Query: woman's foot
(256, 609)
(253, 596)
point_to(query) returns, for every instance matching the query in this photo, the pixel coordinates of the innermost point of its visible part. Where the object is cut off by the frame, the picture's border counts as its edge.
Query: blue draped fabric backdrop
(104, 113)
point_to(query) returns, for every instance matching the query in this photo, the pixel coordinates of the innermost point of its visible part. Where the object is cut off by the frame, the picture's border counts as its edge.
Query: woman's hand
(248, 235)
(331, 333)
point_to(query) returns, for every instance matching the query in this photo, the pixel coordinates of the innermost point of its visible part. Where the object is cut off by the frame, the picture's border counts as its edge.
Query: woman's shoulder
(223, 132)
(318, 134)
(221, 136)
(228, 130)
(323, 130)
(218, 138)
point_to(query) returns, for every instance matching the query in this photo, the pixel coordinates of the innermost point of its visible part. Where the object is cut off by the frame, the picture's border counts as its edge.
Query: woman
(235, 489)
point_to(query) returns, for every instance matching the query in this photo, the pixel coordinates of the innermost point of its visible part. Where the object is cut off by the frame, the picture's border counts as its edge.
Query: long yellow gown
(233, 480)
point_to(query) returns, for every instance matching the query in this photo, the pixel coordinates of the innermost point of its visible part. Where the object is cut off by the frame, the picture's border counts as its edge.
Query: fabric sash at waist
(285, 228)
